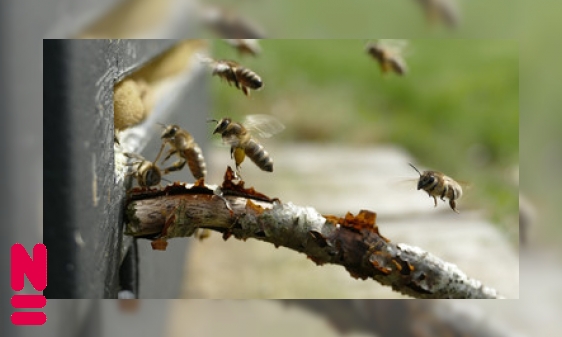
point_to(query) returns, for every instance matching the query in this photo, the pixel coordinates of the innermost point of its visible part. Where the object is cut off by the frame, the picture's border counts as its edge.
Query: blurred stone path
(334, 180)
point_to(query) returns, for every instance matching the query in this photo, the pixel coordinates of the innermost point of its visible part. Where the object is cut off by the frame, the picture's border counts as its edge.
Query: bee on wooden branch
(146, 172)
(242, 144)
(437, 184)
(389, 55)
(184, 146)
(232, 72)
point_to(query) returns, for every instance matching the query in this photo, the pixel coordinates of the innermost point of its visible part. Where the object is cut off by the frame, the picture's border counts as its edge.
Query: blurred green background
(456, 111)
(488, 19)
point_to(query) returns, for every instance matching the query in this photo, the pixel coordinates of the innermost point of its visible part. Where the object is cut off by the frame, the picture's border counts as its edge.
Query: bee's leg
(135, 173)
(133, 163)
(160, 152)
(385, 66)
(453, 205)
(175, 166)
(435, 199)
(231, 152)
(130, 174)
(237, 174)
(136, 170)
(239, 155)
(444, 193)
(245, 91)
(170, 153)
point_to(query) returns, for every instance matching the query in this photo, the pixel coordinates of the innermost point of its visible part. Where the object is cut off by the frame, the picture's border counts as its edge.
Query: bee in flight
(446, 11)
(245, 46)
(242, 144)
(228, 23)
(184, 146)
(389, 55)
(146, 172)
(437, 184)
(232, 72)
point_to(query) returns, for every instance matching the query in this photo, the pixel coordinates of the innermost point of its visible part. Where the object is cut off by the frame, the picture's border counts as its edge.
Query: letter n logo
(36, 271)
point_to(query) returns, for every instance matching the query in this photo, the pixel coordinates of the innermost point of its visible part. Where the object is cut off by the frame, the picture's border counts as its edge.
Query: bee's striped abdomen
(259, 156)
(248, 78)
(195, 161)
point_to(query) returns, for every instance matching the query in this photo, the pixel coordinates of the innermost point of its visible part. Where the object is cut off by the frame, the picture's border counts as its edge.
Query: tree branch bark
(353, 241)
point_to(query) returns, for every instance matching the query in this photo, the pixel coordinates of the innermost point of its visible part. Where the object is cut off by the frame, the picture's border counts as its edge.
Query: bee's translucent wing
(245, 45)
(396, 45)
(205, 59)
(404, 183)
(465, 184)
(264, 126)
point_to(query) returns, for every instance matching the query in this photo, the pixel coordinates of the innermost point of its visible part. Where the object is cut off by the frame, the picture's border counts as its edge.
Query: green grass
(457, 110)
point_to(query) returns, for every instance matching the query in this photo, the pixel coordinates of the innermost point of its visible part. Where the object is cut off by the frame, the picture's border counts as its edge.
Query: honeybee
(437, 184)
(229, 24)
(446, 11)
(245, 46)
(146, 172)
(241, 142)
(389, 54)
(232, 72)
(182, 144)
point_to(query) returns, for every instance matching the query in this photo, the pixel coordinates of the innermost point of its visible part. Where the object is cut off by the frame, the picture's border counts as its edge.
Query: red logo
(36, 271)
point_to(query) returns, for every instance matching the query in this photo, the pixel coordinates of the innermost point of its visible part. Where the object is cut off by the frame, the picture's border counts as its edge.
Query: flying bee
(437, 184)
(446, 11)
(389, 55)
(228, 23)
(146, 172)
(232, 72)
(245, 46)
(241, 142)
(184, 146)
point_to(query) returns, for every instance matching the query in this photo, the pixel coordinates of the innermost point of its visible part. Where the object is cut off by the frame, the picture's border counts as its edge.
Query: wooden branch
(353, 241)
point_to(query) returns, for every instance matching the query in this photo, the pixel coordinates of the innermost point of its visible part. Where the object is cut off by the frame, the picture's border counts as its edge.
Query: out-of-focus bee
(245, 46)
(389, 55)
(229, 24)
(232, 72)
(446, 11)
(146, 172)
(436, 184)
(241, 142)
(184, 146)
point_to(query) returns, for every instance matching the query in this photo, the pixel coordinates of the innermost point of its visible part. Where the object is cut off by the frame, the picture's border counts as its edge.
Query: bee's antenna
(415, 168)
(162, 125)
(212, 120)
(166, 180)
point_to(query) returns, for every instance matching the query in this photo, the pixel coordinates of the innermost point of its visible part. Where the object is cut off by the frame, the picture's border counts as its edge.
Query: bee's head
(221, 125)
(375, 50)
(170, 131)
(426, 179)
